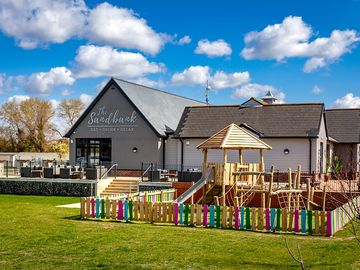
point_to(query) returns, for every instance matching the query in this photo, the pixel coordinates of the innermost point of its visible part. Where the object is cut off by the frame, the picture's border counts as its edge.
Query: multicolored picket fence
(165, 195)
(238, 218)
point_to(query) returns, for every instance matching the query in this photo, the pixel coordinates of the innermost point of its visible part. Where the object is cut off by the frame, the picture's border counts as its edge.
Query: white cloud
(65, 92)
(86, 99)
(316, 90)
(291, 38)
(222, 80)
(184, 40)
(43, 83)
(213, 48)
(36, 23)
(94, 61)
(257, 90)
(2, 79)
(194, 75)
(347, 101)
(17, 98)
(121, 27)
(199, 75)
(10, 83)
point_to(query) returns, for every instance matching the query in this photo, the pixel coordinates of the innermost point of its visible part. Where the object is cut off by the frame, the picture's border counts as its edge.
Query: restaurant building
(126, 124)
(130, 124)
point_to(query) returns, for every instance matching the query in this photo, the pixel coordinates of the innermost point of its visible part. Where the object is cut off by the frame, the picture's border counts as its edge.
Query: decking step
(121, 186)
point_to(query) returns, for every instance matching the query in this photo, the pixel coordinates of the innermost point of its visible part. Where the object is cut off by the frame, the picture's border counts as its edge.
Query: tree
(27, 124)
(61, 147)
(70, 110)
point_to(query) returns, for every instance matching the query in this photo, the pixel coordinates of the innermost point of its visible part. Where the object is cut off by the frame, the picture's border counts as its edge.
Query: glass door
(94, 153)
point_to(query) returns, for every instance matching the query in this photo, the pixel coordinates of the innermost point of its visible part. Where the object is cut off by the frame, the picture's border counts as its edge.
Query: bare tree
(298, 258)
(28, 124)
(70, 110)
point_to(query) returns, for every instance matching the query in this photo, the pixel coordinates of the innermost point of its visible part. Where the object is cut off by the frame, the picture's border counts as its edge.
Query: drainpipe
(310, 159)
(182, 154)
(163, 153)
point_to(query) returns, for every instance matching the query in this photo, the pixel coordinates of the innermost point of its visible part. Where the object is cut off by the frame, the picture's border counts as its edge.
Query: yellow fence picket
(198, 214)
(284, 220)
(260, 219)
(316, 216)
(82, 201)
(113, 209)
(291, 221)
(88, 212)
(164, 212)
(192, 213)
(171, 213)
(323, 225)
(146, 211)
(253, 218)
(224, 217)
(141, 205)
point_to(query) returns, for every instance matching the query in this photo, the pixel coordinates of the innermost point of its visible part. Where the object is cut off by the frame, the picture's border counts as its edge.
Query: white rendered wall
(298, 155)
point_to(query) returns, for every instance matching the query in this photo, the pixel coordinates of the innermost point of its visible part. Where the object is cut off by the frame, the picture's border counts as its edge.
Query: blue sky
(304, 51)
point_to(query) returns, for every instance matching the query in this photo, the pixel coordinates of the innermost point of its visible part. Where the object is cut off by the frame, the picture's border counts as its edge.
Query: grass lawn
(34, 234)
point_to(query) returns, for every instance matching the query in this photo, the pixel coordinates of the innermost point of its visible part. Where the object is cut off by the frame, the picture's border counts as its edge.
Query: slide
(207, 176)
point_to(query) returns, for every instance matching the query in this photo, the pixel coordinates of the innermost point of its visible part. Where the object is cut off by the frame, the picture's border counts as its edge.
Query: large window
(93, 152)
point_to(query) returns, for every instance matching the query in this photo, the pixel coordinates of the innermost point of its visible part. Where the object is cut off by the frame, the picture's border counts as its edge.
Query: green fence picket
(186, 220)
(278, 219)
(131, 210)
(247, 218)
(310, 221)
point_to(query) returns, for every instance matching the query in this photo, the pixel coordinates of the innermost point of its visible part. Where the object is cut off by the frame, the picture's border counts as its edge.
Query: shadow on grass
(186, 227)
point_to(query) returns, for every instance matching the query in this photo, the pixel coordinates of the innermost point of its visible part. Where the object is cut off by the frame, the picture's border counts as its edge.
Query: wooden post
(241, 161)
(262, 178)
(324, 199)
(308, 193)
(290, 187)
(205, 160)
(223, 180)
(204, 189)
(298, 178)
(270, 187)
(241, 198)
(205, 155)
(192, 196)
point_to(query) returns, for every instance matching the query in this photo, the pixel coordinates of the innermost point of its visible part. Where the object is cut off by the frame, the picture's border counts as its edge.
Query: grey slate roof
(343, 125)
(161, 109)
(278, 120)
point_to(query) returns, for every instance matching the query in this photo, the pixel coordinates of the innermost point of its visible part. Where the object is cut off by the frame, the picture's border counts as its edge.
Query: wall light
(286, 151)
(187, 142)
(134, 150)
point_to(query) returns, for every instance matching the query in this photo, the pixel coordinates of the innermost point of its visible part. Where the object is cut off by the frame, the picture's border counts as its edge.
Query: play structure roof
(233, 137)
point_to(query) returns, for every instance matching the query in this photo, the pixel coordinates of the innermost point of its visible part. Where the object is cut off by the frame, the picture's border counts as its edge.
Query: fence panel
(255, 219)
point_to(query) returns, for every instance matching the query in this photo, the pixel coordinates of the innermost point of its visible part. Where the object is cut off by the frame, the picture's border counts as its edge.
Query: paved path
(73, 205)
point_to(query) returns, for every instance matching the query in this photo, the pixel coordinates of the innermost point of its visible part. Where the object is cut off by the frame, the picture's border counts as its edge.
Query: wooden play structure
(240, 181)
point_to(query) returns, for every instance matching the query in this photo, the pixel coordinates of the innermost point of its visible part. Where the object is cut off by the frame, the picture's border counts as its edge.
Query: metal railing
(106, 172)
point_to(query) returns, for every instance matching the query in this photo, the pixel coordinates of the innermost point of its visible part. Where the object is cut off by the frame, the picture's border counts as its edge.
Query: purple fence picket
(120, 210)
(236, 225)
(296, 221)
(267, 219)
